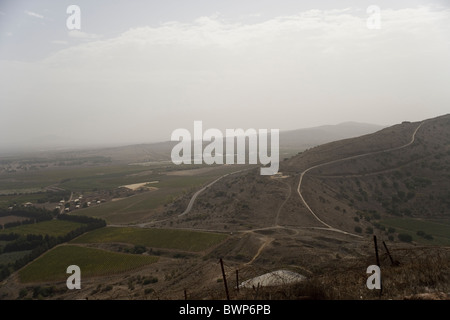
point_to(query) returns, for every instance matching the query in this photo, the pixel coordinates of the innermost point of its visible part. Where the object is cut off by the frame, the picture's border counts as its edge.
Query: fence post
(389, 254)
(224, 279)
(376, 249)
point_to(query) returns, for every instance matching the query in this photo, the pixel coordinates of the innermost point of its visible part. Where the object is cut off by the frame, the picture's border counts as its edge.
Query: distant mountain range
(309, 137)
(291, 142)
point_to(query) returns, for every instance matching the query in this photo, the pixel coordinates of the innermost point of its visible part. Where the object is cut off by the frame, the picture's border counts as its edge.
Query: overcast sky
(137, 70)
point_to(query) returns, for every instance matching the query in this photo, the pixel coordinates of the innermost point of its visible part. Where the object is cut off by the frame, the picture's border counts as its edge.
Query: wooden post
(389, 254)
(376, 249)
(237, 280)
(224, 279)
(185, 294)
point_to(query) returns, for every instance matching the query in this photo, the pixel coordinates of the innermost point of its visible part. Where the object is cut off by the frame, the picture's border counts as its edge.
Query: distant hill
(302, 139)
(291, 142)
(409, 182)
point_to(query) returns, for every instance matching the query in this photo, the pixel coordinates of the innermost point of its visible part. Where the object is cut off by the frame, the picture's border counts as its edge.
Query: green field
(157, 238)
(102, 177)
(71, 178)
(53, 228)
(439, 231)
(130, 209)
(52, 265)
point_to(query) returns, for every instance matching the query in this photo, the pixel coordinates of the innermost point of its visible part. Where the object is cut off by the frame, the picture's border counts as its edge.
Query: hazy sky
(137, 70)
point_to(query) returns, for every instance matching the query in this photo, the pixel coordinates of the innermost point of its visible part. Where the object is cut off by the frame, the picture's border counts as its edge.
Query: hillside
(411, 182)
(393, 184)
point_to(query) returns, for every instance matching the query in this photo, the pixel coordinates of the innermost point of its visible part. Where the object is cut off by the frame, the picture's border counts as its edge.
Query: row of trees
(22, 243)
(32, 214)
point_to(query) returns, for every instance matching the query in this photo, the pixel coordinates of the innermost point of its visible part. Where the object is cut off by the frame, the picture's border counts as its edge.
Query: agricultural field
(138, 207)
(53, 264)
(106, 181)
(440, 232)
(69, 178)
(157, 238)
(53, 228)
(89, 178)
(130, 209)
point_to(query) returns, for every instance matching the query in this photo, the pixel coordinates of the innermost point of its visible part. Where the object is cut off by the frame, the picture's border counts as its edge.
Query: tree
(404, 237)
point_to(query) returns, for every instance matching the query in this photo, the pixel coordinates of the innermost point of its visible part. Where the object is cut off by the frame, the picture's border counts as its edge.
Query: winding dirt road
(328, 227)
(194, 197)
(281, 206)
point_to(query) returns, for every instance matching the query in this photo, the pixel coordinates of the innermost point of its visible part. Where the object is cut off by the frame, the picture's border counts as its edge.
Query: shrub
(358, 229)
(23, 292)
(107, 288)
(428, 237)
(139, 249)
(148, 291)
(404, 237)
(150, 280)
(379, 226)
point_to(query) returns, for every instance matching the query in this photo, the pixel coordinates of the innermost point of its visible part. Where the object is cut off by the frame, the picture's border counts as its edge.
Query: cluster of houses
(77, 203)
(66, 206)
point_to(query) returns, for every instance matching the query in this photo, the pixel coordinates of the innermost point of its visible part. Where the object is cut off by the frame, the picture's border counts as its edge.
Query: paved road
(62, 210)
(345, 159)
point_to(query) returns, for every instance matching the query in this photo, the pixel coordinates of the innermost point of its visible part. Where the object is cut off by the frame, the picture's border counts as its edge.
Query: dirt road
(328, 227)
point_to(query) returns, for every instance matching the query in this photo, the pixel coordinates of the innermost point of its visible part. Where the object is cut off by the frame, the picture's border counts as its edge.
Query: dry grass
(423, 273)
